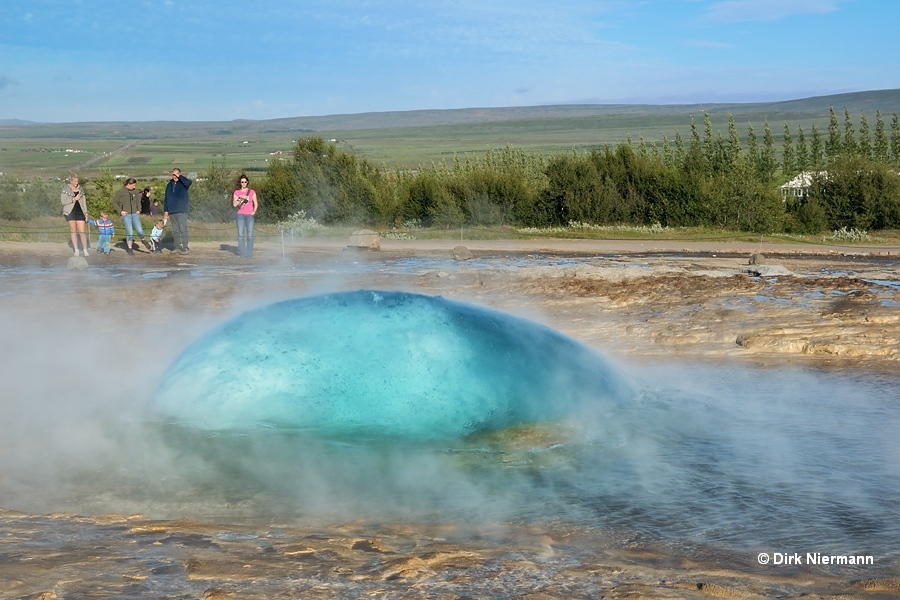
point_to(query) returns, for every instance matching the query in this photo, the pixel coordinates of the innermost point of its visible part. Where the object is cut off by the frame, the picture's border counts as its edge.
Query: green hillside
(408, 138)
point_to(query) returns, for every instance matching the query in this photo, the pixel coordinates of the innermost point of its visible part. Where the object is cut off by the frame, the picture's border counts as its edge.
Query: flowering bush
(849, 235)
(299, 222)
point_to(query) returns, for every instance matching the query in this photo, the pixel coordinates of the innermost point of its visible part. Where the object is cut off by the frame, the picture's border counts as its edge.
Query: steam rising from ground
(766, 459)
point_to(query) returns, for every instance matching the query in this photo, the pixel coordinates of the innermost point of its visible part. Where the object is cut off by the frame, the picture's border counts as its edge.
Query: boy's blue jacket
(104, 226)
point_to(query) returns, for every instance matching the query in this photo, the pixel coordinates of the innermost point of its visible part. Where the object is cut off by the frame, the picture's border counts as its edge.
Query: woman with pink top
(245, 201)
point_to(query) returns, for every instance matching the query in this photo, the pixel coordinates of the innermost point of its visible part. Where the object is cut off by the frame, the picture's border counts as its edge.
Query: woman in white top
(74, 208)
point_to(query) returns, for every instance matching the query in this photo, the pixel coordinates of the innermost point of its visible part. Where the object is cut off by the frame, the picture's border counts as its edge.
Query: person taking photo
(175, 209)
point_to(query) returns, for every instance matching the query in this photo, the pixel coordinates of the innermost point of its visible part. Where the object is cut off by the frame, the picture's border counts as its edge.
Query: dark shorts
(77, 214)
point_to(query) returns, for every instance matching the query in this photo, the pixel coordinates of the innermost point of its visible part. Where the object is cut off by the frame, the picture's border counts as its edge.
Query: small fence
(197, 231)
(50, 229)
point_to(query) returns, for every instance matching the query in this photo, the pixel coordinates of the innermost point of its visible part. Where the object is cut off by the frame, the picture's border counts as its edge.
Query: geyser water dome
(383, 364)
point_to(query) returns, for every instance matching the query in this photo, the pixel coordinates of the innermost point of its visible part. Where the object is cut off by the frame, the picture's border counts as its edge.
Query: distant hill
(404, 139)
(886, 101)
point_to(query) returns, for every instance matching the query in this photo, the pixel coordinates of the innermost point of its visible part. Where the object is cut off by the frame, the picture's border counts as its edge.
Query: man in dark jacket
(128, 204)
(175, 208)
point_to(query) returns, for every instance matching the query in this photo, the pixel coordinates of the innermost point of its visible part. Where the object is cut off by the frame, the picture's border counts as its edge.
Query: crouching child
(156, 236)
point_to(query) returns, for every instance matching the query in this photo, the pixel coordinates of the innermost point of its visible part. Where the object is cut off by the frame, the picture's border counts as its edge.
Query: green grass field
(398, 139)
(46, 157)
(54, 229)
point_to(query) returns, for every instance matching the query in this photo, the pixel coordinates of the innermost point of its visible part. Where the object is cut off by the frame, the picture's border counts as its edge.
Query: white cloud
(733, 11)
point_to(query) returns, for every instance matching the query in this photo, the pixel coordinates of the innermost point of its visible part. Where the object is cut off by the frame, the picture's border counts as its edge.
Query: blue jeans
(132, 223)
(245, 226)
(103, 244)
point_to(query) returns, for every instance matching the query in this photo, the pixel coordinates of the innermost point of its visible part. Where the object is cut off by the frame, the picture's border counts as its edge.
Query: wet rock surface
(700, 304)
(365, 238)
(703, 303)
(136, 557)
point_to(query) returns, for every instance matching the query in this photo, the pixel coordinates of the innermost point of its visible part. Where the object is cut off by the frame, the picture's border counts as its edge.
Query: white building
(798, 187)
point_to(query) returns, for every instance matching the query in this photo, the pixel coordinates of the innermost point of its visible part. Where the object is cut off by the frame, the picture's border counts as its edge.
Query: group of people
(130, 205)
(148, 205)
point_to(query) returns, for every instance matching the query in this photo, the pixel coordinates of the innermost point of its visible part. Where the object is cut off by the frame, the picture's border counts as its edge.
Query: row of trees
(715, 153)
(709, 179)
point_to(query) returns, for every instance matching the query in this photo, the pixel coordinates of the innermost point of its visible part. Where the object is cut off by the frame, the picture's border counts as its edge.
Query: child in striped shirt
(105, 229)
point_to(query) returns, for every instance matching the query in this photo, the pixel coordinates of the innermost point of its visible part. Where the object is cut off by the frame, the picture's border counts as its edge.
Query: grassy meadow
(544, 181)
(396, 139)
(144, 159)
(53, 229)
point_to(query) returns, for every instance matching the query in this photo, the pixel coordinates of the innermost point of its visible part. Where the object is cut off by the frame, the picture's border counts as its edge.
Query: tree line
(729, 181)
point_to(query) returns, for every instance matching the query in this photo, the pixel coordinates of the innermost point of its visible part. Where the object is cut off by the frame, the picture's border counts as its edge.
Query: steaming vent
(369, 364)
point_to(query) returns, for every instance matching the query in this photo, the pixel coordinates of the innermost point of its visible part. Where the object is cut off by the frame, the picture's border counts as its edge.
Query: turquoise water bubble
(383, 364)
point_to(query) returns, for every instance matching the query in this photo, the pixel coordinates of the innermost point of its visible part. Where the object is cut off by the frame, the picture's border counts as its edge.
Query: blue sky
(207, 60)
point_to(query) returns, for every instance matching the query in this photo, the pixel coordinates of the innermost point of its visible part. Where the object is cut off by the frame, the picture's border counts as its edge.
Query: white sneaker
(85, 252)
(76, 252)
